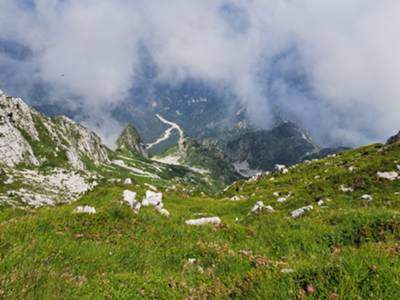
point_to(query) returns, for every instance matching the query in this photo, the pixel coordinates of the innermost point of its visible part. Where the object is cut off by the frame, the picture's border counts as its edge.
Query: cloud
(330, 65)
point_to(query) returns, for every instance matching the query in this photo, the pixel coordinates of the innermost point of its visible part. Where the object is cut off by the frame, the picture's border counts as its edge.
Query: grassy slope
(349, 248)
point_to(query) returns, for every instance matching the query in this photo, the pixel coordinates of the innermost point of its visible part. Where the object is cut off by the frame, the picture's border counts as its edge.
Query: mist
(331, 66)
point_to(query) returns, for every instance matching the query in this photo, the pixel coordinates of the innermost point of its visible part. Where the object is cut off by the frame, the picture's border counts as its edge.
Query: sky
(331, 66)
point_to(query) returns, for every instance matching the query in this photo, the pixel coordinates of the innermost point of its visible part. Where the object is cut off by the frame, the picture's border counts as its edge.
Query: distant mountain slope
(210, 115)
(199, 109)
(130, 140)
(261, 150)
(206, 160)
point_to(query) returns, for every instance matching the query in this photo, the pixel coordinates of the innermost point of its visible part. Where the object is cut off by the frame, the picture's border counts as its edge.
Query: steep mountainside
(130, 140)
(261, 150)
(28, 136)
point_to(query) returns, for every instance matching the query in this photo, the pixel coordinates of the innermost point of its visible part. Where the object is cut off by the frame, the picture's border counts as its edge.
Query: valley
(79, 220)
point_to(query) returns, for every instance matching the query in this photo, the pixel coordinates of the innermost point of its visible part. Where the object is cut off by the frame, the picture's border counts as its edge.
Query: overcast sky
(332, 66)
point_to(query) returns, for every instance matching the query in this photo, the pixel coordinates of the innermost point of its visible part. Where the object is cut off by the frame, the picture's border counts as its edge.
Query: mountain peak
(28, 137)
(261, 150)
(130, 140)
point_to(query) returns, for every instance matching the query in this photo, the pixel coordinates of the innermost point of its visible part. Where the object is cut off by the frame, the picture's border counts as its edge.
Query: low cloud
(330, 65)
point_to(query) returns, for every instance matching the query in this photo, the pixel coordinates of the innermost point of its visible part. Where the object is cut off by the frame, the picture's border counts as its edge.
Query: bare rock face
(261, 150)
(39, 189)
(29, 137)
(14, 149)
(394, 139)
(82, 140)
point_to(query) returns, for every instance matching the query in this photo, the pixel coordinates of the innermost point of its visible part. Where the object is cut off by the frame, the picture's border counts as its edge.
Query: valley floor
(347, 247)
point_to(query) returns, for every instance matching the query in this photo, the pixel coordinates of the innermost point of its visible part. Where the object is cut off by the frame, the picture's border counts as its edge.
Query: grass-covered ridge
(347, 248)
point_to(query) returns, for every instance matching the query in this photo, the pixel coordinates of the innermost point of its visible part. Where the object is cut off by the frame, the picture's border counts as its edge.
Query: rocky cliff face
(14, 149)
(261, 150)
(28, 137)
(394, 139)
(130, 140)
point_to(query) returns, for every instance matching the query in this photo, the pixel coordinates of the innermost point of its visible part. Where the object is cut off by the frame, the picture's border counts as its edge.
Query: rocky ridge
(130, 140)
(27, 136)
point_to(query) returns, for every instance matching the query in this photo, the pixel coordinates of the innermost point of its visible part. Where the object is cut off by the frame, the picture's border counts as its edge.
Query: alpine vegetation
(213, 149)
(184, 224)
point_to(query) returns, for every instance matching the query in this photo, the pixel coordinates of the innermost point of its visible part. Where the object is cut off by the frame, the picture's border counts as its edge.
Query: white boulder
(155, 199)
(162, 211)
(282, 199)
(301, 211)
(152, 199)
(85, 210)
(388, 175)
(281, 169)
(367, 197)
(346, 189)
(128, 181)
(259, 207)
(237, 198)
(257, 177)
(130, 198)
(204, 221)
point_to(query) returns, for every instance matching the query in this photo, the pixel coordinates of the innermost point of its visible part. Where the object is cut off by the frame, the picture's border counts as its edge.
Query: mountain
(261, 150)
(322, 229)
(394, 139)
(30, 137)
(53, 160)
(130, 140)
(207, 114)
(200, 110)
